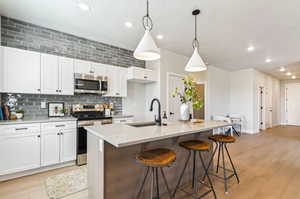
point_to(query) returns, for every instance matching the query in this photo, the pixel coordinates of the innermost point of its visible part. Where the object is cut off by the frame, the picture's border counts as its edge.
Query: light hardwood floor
(268, 164)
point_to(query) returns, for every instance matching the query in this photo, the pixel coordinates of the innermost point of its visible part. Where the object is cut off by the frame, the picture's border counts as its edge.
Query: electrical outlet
(43, 104)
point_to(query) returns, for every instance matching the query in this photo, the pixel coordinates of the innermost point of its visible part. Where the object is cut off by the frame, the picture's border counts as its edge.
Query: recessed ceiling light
(250, 48)
(288, 73)
(282, 69)
(268, 60)
(128, 24)
(83, 6)
(159, 36)
(293, 77)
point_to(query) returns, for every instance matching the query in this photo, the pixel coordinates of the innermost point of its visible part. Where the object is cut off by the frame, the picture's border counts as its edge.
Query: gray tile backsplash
(31, 104)
(20, 34)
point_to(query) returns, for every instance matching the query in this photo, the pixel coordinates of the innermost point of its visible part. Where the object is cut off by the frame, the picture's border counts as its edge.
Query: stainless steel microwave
(86, 83)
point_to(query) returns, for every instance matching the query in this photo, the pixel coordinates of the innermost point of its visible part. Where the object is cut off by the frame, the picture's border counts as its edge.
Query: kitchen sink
(142, 124)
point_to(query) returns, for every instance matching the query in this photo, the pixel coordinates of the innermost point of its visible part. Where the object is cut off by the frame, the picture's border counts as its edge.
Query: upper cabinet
(21, 71)
(141, 75)
(57, 75)
(66, 75)
(83, 67)
(117, 81)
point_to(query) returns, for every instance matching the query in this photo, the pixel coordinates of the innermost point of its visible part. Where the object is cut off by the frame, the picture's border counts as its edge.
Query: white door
(68, 145)
(174, 81)
(19, 152)
(49, 74)
(50, 147)
(21, 71)
(83, 67)
(292, 104)
(66, 76)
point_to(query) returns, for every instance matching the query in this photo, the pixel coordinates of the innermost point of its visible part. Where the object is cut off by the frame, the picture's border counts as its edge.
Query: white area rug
(66, 184)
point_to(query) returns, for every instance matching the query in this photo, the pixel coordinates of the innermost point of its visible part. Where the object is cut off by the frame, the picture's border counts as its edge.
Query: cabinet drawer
(58, 125)
(19, 129)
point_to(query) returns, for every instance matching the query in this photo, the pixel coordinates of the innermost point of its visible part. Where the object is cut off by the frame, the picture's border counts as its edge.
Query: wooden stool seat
(157, 157)
(222, 138)
(196, 145)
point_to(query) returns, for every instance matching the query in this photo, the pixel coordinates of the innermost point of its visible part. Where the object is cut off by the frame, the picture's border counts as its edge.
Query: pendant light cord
(147, 21)
(196, 42)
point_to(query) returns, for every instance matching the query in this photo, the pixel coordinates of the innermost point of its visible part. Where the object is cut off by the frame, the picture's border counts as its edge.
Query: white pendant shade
(195, 63)
(147, 49)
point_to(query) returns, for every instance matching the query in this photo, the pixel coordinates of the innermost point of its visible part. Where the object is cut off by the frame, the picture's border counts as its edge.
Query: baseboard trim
(35, 171)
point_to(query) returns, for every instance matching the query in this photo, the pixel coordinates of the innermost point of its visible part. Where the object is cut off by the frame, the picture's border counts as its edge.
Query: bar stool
(221, 142)
(194, 146)
(154, 160)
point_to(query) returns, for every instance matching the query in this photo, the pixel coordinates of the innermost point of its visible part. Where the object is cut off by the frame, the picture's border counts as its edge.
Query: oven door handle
(79, 84)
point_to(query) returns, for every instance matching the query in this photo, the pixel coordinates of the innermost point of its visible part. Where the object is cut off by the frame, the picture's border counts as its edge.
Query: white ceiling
(226, 28)
(293, 68)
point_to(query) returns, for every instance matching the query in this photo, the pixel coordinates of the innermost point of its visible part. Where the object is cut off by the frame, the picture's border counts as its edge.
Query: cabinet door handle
(61, 133)
(19, 129)
(145, 77)
(61, 125)
(38, 89)
(117, 93)
(39, 136)
(58, 133)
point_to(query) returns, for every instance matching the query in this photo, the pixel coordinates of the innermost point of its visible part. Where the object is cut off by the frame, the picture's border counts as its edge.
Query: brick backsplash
(31, 104)
(20, 34)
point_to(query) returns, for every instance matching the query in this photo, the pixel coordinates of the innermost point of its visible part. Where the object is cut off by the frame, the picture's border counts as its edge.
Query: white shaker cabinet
(49, 74)
(58, 142)
(57, 75)
(141, 75)
(117, 81)
(83, 67)
(21, 71)
(66, 76)
(68, 145)
(19, 148)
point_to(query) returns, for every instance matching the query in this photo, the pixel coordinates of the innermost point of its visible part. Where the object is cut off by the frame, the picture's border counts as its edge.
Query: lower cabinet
(19, 148)
(58, 143)
(31, 146)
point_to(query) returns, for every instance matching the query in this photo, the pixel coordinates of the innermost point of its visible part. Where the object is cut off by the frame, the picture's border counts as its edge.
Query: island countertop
(122, 135)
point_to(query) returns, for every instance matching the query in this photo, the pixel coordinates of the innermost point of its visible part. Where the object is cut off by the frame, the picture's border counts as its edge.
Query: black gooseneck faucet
(157, 120)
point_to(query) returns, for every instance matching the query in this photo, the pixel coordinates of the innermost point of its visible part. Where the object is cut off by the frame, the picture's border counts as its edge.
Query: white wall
(134, 103)
(241, 97)
(244, 97)
(218, 90)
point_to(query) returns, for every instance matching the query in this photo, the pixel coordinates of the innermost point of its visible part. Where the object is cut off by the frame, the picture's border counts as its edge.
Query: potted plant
(187, 97)
(19, 114)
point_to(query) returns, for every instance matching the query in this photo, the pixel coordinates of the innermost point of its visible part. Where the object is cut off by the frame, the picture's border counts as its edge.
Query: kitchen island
(113, 172)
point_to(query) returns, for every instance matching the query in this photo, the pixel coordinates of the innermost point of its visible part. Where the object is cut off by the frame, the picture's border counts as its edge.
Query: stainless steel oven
(86, 83)
(87, 115)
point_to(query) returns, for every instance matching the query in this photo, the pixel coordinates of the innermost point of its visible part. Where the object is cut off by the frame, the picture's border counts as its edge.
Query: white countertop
(121, 135)
(122, 116)
(37, 120)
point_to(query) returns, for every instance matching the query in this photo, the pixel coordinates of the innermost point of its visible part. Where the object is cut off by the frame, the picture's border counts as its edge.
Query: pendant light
(195, 63)
(147, 49)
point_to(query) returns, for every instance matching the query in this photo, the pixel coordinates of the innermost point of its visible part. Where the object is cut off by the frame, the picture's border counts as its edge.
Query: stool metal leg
(207, 175)
(166, 183)
(224, 168)
(194, 169)
(153, 183)
(182, 173)
(211, 160)
(143, 183)
(218, 163)
(232, 165)
(157, 183)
